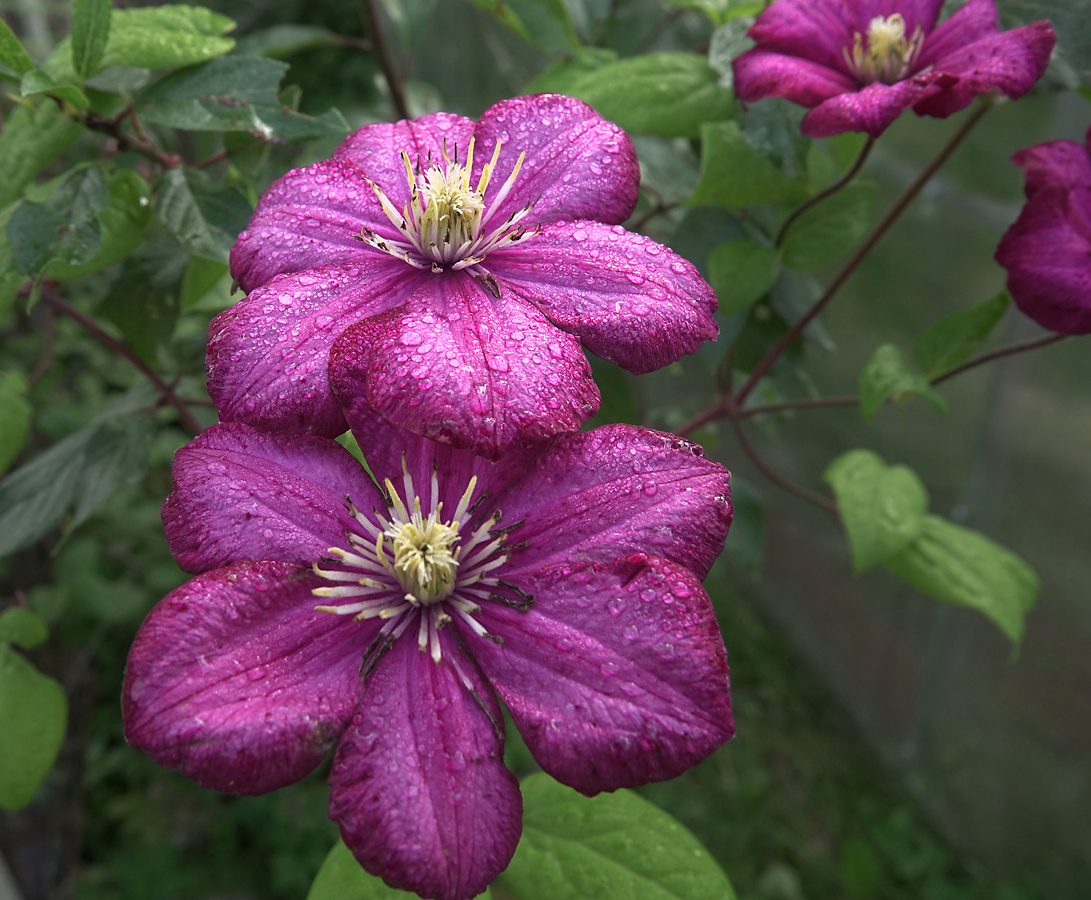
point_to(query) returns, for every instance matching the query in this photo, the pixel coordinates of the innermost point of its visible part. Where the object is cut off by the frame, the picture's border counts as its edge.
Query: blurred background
(888, 746)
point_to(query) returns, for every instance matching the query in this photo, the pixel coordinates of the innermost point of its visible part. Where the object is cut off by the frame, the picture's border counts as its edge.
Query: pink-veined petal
(816, 30)
(1055, 162)
(235, 680)
(616, 676)
(419, 787)
(577, 166)
(461, 367)
(761, 73)
(309, 218)
(377, 149)
(627, 298)
(268, 355)
(1047, 253)
(872, 109)
(245, 494)
(975, 20)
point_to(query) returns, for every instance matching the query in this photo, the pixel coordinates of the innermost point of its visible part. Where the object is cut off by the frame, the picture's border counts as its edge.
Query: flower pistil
(888, 56)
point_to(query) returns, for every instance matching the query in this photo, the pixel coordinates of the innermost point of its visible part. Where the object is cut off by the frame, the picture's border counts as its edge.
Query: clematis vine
(390, 621)
(448, 275)
(859, 64)
(1047, 252)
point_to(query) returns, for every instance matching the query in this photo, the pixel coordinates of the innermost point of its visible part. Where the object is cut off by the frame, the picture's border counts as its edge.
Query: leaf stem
(806, 493)
(112, 127)
(999, 354)
(370, 14)
(872, 239)
(823, 194)
(59, 304)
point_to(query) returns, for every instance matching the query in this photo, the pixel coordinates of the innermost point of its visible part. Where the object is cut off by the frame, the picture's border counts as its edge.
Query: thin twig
(999, 354)
(718, 411)
(50, 346)
(790, 405)
(112, 127)
(91, 327)
(872, 239)
(823, 194)
(806, 493)
(390, 70)
(221, 155)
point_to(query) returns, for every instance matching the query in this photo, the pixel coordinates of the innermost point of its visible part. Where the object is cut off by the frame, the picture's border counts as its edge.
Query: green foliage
(234, 94)
(12, 53)
(830, 228)
(721, 11)
(15, 414)
(33, 709)
(887, 375)
(735, 173)
(32, 138)
(153, 38)
(341, 878)
(729, 41)
(206, 217)
(284, 40)
(545, 23)
(37, 83)
(954, 339)
(960, 566)
(611, 846)
(882, 507)
(742, 272)
(90, 33)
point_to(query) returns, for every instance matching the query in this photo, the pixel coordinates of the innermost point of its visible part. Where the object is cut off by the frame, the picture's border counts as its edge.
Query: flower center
(444, 224)
(889, 55)
(407, 566)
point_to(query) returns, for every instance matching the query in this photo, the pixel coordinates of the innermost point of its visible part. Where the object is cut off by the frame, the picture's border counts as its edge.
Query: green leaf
(284, 40)
(90, 32)
(15, 415)
(734, 173)
(11, 279)
(830, 228)
(206, 217)
(562, 76)
(963, 567)
(79, 472)
(720, 11)
(31, 140)
(341, 878)
(741, 272)
(234, 94)
(669, 94)
(65, 227)
(143, 306)
(20, 626)
(882, 507)
(887, 376)
(728, 42)
(159, 37)
(954, 339)
(611, 846)
(12, 53)
(545, 23)
(34, 711)
(37, 82)
(200, 277)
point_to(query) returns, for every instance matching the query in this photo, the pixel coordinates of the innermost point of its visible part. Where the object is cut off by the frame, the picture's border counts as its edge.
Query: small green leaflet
(15, 413)
(887, 376)
(742, 272)
(234, 94)
(734, 173)
(960, 566)
(830, 228)
(341, 878)
(33, 709)
(954, 339)
(90, 31)
(36, 82)
(12, 53)
(882, 507)
(729, 41)
(614, 846)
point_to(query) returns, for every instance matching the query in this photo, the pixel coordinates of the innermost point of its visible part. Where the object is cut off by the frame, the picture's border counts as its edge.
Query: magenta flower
(859, 64)
(1047, 252)
(389, 625)
(445, 274)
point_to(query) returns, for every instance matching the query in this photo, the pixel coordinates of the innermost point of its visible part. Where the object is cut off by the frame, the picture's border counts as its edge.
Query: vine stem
(862, 251)
(999, 354)
(806, 493)
(865, 151)
(397, 90)
(112, 127)
(62, 306)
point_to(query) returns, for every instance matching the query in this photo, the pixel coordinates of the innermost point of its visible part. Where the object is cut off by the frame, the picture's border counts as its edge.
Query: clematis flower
(448, 275)
(390, 622)
(859, 64)
(1047, 252)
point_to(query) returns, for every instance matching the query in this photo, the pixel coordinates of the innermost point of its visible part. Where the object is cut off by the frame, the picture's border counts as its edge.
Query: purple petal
(975, 20)
(599, 495)
(816, 30)
(419, 786)
(577, 164)
(244, 494)
(617, 675)
(268, 355)
(760, 73)
(1009, 62)
(377, 148)
(463, 368)
(630, 300)
(235, 680)
(308, 218)
(1047, 253)
(873, 108)
(1056, 162)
